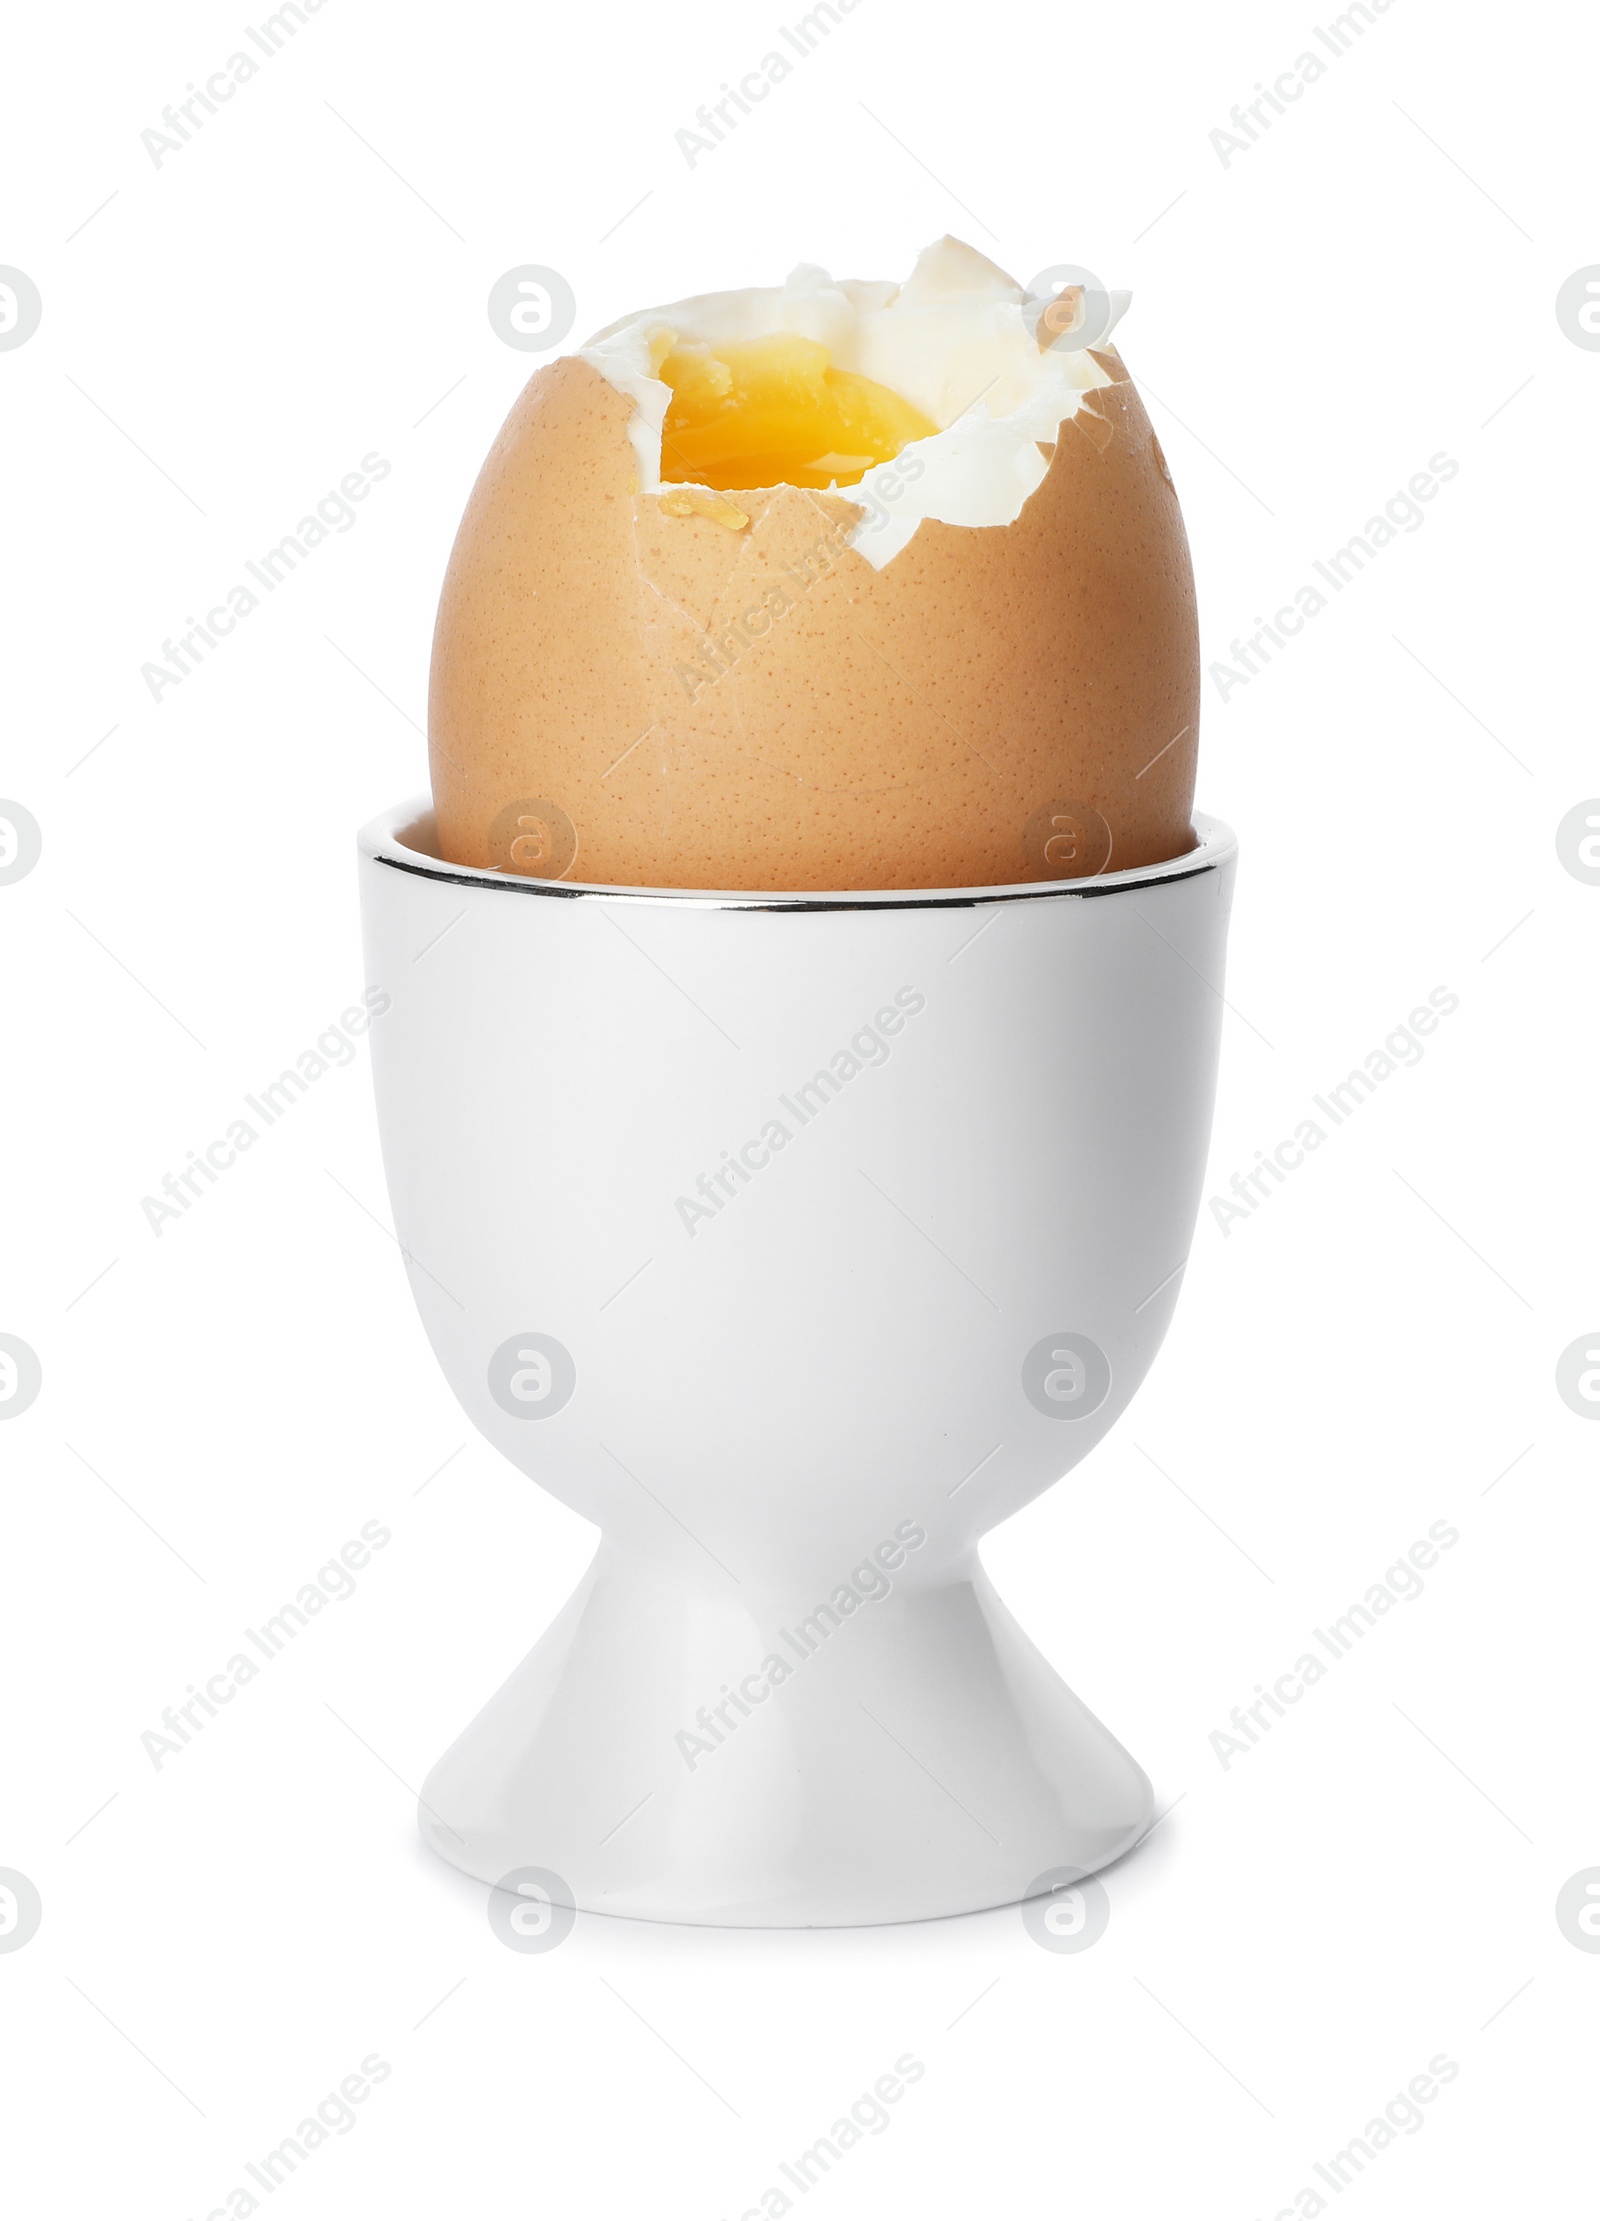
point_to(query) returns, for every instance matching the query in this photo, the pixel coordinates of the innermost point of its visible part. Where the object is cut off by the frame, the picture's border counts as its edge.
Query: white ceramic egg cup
(796, 1242)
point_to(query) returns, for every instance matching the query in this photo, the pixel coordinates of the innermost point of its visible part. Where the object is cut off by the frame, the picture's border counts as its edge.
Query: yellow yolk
(773, 412)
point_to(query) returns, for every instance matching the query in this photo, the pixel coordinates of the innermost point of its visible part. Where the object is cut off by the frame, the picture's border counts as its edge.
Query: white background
(1372, 1351)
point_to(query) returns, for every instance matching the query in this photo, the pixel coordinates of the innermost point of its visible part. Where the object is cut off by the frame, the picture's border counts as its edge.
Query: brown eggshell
(997, 704)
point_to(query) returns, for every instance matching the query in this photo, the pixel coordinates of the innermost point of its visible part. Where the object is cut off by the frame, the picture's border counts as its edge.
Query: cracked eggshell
(756, 706)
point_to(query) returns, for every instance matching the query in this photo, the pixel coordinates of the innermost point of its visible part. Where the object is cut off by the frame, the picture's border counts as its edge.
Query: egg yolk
(774, 412)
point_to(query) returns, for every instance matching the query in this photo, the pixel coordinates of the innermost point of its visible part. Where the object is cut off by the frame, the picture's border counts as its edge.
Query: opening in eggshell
(988, 369)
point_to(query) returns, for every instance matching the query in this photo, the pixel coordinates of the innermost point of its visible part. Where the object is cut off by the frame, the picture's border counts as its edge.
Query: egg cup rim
(384, 840)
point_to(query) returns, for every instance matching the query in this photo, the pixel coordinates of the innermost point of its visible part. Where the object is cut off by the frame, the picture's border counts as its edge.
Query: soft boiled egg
(837, 585)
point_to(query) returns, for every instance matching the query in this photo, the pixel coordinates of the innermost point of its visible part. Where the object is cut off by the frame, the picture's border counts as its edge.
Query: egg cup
(796, 1241)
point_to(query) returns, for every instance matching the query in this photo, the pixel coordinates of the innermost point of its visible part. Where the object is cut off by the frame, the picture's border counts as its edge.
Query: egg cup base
(916, 1759)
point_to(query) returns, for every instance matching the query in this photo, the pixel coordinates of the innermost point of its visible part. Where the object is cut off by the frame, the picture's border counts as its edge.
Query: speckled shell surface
(680, 703)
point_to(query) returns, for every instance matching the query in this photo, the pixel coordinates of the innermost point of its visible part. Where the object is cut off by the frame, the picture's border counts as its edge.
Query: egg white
(960, 340)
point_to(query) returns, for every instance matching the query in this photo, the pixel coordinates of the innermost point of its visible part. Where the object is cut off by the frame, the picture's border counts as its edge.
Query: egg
(833, 586)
